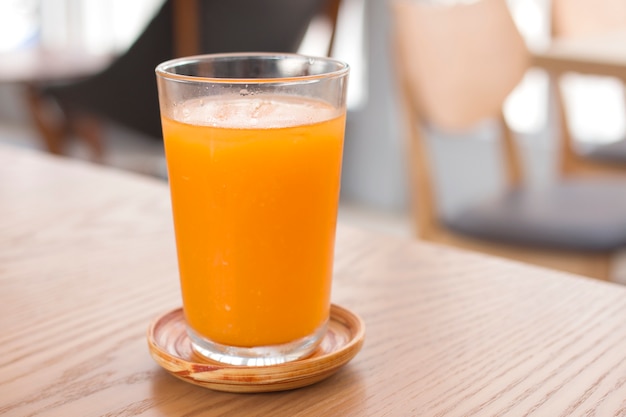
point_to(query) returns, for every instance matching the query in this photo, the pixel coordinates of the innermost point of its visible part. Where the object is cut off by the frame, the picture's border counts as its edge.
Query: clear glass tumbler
(254, 146)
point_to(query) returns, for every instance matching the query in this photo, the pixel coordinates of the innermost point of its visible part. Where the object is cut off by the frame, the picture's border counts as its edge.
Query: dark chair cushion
(126, 91)
(587, 215)
(611, 152)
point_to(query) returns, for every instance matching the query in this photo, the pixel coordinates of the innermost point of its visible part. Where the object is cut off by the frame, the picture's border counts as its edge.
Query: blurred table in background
(597, 55)
(34, 64)
(34, 67)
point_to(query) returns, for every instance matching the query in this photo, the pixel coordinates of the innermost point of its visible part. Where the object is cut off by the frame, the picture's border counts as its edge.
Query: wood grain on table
(87, 259)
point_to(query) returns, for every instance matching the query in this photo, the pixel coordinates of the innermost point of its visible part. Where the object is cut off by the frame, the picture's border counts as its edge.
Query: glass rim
(164, 68)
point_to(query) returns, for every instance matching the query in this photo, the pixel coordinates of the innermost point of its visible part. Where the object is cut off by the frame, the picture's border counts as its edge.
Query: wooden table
(87, 260)
(596, 55)
(38, 64)
(600, 55)
(35, 67)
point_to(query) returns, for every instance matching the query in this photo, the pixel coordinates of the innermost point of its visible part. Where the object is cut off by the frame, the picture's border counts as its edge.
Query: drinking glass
(253, 144)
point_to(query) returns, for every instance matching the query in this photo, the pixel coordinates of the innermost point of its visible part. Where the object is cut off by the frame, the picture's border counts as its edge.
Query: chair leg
(50, 122)
(88, 128)
(604, 267)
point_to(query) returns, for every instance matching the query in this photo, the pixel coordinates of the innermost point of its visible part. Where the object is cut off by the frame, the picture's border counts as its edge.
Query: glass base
(258, 355)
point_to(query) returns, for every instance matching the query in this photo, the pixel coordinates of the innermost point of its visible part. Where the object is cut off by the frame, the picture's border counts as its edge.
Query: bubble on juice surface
(255, 112)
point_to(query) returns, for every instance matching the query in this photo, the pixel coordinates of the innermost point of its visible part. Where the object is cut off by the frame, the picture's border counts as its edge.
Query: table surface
(38, 64)
(87, 260)
(603, 54)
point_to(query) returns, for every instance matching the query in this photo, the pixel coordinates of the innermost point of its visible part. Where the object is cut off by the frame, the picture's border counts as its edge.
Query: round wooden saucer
(171, 349)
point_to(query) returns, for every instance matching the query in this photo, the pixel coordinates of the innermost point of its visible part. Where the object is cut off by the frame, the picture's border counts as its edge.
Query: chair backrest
(572, 18)
(456, 66)
(125, 92)
(461, 61)
(245, 25)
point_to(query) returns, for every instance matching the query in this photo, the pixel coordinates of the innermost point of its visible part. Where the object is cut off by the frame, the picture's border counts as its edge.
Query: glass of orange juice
(253, 144)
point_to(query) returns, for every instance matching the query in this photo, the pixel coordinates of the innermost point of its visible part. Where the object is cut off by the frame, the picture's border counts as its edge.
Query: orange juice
(255, 188)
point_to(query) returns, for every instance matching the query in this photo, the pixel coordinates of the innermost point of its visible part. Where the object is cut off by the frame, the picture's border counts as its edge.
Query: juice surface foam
(253, 113)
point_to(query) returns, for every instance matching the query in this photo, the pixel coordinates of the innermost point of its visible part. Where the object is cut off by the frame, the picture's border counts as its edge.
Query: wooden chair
(579, 18)
(126, 93)
(456, 66)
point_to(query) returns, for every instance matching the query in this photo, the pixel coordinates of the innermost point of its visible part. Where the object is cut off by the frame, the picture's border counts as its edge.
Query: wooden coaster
(171, 349)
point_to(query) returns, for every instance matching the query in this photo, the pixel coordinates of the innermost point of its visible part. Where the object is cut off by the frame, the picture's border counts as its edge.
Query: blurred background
(375, 183)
